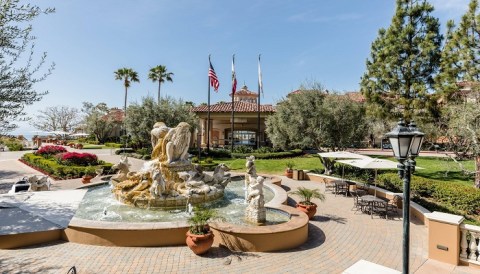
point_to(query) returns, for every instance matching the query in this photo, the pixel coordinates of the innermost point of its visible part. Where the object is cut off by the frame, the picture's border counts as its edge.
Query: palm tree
(160, 74)
(127, 75)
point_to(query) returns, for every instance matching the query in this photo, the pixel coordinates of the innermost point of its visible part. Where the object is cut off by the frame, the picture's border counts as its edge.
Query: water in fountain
(100, 199)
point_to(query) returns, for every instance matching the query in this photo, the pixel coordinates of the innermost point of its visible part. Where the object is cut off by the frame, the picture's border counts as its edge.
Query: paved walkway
(338, 237)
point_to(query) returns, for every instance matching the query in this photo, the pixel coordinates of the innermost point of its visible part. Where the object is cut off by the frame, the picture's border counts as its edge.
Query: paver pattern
(338, 237)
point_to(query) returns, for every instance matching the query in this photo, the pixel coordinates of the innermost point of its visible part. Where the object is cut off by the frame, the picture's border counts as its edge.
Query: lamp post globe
(417, 139)
(401, 140)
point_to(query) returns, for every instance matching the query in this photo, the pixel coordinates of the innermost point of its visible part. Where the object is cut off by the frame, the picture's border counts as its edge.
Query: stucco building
(246, 119)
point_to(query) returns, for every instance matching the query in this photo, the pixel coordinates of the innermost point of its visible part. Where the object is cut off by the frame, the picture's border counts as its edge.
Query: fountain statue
(255, 212)
(169, 179)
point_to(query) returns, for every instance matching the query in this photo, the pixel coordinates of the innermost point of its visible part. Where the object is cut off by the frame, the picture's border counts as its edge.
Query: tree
(17, 44)
(142, 117)
(99, 122)
(402, 62)
(463, 133)
(57, 118)
(160, 74)
(312, 118)
(461, 53)
(127, 75)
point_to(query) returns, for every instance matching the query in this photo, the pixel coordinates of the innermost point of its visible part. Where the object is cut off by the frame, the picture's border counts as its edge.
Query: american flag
(234, 76)
(213, 78)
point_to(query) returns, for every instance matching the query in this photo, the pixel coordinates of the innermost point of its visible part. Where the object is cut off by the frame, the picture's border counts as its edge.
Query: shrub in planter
(306, 205)
(199, 236)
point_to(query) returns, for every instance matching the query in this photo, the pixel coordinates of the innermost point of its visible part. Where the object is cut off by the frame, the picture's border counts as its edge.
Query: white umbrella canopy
(339, 155)
(372, 163)
(79, 134)
(343, 155)
(59, 132)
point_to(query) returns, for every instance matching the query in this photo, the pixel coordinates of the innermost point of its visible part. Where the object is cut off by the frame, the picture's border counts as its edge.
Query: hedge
(114, 145)
(461, 199)
(51, 167)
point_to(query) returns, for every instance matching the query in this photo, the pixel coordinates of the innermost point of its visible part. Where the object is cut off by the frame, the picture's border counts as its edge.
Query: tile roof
(355, 96)
(245, 92)
(239, 107)
(115, 114)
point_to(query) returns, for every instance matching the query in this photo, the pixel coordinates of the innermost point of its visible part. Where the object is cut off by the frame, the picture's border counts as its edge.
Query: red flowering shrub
(50, 150)
(78, 159)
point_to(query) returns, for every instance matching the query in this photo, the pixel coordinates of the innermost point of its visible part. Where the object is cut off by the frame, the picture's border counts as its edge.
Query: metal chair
(329, 185)
(392, 205)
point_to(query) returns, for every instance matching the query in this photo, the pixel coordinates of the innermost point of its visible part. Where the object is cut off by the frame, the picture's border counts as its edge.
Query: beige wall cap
(445, 217)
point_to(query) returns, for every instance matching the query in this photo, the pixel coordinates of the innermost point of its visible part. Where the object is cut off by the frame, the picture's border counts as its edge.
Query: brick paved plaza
(338, 237)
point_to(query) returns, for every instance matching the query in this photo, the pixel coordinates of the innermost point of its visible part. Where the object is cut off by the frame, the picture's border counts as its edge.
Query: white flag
(260, 83)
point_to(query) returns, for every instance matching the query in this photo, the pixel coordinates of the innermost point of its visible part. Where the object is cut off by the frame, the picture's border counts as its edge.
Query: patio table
(371, 200)
(343, 185)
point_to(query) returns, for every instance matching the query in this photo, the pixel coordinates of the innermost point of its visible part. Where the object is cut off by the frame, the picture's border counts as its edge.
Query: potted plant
(199, 236)
(89, 174)
(306, 205)
(289, 170)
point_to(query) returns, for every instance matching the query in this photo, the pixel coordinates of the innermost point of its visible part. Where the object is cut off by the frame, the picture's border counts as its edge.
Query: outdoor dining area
(365, 199)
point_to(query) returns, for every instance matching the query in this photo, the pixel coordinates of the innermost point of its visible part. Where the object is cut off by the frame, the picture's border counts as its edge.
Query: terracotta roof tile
(355, 96)
(116, 114)
(239, 107)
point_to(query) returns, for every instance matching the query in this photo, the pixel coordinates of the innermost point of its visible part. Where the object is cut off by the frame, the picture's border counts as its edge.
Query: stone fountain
(169, 179)
(255, 212)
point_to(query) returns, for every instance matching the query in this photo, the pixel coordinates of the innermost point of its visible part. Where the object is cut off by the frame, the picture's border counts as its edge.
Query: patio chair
(392, 205)
(380, 208)
(358, 204)
(329, 185)
(341, 187)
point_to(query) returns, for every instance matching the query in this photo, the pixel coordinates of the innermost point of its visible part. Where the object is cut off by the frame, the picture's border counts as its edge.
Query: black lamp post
(406, 143)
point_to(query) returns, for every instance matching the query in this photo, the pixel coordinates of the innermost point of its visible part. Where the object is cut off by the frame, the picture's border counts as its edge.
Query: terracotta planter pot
(310, 210)
(289, 173)
(199, 244)
(86, 179)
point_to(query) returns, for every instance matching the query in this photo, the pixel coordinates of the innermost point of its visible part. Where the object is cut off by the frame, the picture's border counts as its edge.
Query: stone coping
(298, 220)
(445, 218)
(468, 227)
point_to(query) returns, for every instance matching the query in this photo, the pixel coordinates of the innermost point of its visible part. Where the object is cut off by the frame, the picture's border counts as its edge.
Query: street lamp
(406, 143)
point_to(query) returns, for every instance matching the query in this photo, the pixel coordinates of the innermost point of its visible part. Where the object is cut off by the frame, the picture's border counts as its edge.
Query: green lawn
(443, 169)
(274, 166)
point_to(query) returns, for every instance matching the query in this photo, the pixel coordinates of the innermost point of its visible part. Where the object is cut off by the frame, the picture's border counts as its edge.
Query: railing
(469, 243)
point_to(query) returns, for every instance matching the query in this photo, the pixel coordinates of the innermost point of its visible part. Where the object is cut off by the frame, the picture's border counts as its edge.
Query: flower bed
(78, 159)
(59, 171)
(50, 150)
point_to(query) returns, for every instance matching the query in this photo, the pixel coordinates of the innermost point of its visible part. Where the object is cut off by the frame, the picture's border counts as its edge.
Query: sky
(326, 41)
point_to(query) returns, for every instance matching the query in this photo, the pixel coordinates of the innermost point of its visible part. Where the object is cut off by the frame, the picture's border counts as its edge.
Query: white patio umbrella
(79, 134)
(372, 163)
(58, 132)
(342, 155)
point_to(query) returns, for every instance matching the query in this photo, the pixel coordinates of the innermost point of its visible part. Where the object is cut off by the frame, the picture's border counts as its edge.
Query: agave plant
(307, 194)
(199, 220)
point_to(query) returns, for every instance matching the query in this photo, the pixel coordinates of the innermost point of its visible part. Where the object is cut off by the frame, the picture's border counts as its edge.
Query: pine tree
(403, 60)
(460, 60)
